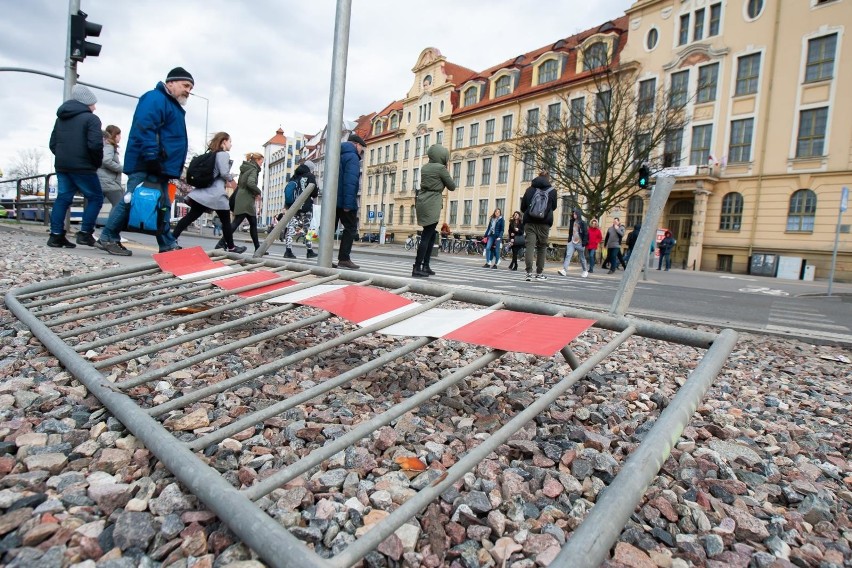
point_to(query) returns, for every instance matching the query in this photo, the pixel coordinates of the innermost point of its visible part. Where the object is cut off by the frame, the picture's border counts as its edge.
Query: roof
(278, 139)
(457, 73)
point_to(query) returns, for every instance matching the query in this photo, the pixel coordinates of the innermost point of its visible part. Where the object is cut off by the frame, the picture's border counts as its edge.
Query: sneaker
(494, 266)
(585, 273)
(347, 264)
(113, 248)
(529, 276)
(540, 277)
(289, 254)
(562, 272)
(173, 248)
(85, 239)
(59, 241)
(486, 265)
(312, 254)
(237, 250)
(219, 245)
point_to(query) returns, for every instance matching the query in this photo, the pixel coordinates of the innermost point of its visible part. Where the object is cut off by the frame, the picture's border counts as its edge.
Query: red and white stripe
(364, 305)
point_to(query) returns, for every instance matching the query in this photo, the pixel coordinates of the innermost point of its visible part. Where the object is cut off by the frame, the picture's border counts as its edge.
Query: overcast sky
(262, 64)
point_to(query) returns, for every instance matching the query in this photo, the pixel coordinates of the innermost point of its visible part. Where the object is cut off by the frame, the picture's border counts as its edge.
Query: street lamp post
(384, 171)
(206, 117)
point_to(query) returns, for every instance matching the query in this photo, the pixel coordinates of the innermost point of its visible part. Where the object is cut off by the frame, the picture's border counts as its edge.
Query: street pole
(382, 210)
(206, 117)
(70, 64)
(844, 201)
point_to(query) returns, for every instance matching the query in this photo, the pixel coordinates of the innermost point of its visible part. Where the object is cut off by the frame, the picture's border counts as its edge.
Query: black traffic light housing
(644, 177)
(80, 30)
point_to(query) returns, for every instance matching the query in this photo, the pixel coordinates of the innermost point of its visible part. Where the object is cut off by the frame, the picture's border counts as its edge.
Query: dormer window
(378, 127)
(503, 86)
(548, 71)
(595, 56)
(394, 122)
(470, 96)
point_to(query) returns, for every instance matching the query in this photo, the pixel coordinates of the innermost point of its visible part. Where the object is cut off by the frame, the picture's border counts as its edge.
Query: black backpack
(199, 173)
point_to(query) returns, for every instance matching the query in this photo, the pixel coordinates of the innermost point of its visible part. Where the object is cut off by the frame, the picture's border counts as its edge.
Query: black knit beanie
(179, 74)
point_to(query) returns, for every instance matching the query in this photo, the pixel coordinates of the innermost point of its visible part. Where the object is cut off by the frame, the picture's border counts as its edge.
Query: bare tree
(593, 151)
(26, 164)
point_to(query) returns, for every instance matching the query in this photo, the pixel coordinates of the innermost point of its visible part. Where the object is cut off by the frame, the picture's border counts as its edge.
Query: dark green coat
(247, 189)
(434, 178)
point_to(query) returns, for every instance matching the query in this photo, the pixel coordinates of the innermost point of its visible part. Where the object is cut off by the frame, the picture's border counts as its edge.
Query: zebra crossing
(797, 315)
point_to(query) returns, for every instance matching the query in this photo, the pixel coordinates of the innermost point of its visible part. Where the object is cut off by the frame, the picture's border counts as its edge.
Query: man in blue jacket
(156, 152)
(348, 184)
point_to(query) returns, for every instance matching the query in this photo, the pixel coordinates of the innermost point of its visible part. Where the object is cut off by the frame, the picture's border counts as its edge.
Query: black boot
(289, 254)
(59, 241)
(418, 272)
(85, 239)
(428, 270)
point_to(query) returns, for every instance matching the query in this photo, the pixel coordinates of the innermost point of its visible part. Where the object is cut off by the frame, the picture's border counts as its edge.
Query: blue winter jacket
(350, 175)
(498, 228)
(158, 133)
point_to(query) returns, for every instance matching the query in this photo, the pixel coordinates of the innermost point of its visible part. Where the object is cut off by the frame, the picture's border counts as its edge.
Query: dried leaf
(410, 463)
(191, 309)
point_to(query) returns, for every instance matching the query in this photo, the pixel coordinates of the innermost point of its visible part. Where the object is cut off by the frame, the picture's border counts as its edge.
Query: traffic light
(80, 30)
(644, 176)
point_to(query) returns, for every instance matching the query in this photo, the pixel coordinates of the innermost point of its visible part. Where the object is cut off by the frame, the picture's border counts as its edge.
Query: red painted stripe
(185, 261)
(357, 303)
(255, 277)
(521, 332)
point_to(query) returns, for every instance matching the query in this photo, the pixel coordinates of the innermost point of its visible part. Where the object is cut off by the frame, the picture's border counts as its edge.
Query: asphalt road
(749, 303)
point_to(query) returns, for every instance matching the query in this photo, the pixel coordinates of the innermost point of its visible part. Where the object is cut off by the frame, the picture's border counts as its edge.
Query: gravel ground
(761, 476)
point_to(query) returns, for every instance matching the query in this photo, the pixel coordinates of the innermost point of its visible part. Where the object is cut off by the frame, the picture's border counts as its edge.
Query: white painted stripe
(798, 331)
(436, 322)
(299, 295)
(390, 314)
(803, 325)
(214, 272)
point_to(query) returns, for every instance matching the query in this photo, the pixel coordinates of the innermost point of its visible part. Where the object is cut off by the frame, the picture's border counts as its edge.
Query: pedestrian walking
(217, 226)
(666, 245)
(429, 202)
(156, 152)
(110, 171)
(577, 241)
(494, 238)
(305, 181)
(595, 238)
(516, 237)
(612, 243)
(245, 201)
(348, 185)
(537, 205)
(78, 144)
(214, 198)
(631, 241)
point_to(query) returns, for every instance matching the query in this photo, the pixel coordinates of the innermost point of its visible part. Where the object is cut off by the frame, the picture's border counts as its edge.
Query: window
(529, 166)
(594, 56)
(460, 137)
(474, 134)
(425, 143)
(390, 213)
(502, 86)
(635, 210)
(454, 212)
(802, 211)
(732, 212)
(532, 121)
(401, 214)
(715, 19)
(647, 94)
(811, 141)
(395, 124)
(548, 71)
(578, 112)
(372, 155)
(679, 89)
(699, 154)
(470, 96)
(439, 137)
(554, 118)
(369, 184)
(740, 149)
(415, 179)
(412, 219)
(503, 169)
(405, 149)
(725, 262)
(698, 25)
(754, 8)
(683, 36)
(404, 180)
(748, 73)
(489, 131)
(486, 171)
(457, 173)
(396, 151)
(565, 213)
(708, 78)
(672, 147)
(468, 211)
(550, 157)
(393, 182)
(471, 173)
(387, 153)
(507, 127)
(596, 158)
(821, 58)
(603, 102)
(483, 212)
(643, 146)
(652, 38)
(417, 146)
(378, 155)
(573, 160)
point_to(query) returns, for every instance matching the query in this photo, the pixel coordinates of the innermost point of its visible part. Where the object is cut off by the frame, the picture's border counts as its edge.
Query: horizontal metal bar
(415, 504)
(592, 540)
(56, 295)
(70, 282)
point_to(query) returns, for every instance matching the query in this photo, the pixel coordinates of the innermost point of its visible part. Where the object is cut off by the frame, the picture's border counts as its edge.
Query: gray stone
(814, 509)
(171, 500)
(134, 530)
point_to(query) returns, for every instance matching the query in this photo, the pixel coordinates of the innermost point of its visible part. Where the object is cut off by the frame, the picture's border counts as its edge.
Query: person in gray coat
(110, 171)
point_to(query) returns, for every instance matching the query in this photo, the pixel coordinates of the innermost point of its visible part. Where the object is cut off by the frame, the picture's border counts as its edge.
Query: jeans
(569, 253)
(121, 212)
(69, 184)
(667, 258)
(612, 258)
(536, 236)
(492, 249)
(424, 249)
(592, 253)
(350, 231)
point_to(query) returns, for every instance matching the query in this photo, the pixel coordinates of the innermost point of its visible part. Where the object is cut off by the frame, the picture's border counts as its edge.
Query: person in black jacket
(631, 241)
(537, 229)
(78, 144)
(578, 240)
(305, 181)
(516, 237)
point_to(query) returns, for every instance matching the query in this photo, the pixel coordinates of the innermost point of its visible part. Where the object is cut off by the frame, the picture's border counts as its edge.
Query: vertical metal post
(660, 195)
(333, 130)
(844, 198)
(70, 65)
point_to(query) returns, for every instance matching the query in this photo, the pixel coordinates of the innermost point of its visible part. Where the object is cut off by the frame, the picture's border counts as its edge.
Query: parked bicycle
(412, 242)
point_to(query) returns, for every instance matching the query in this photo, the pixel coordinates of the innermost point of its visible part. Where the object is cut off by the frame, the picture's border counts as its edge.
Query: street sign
(844, 199)
(371, 214)
(381, 214)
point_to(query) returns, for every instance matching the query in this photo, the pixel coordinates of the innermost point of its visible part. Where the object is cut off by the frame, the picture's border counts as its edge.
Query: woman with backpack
(201, 200)
(303, 180)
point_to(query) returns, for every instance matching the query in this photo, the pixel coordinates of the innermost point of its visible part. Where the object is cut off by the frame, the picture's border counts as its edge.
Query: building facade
(281, 155)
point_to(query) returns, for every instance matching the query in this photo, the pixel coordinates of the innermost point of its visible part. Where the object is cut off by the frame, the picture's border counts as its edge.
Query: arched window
(635, 210)
(470, 96)
(803, 205)
(503, 86)
(595, 56)
(377, 129)
(547, 72)
(732, 212)
(754, 8)
(682, 207)
(394, 122)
